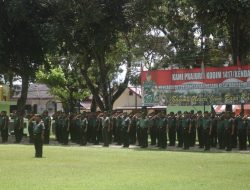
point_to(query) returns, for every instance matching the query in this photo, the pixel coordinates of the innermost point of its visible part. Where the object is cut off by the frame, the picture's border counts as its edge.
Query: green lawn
(121, 169)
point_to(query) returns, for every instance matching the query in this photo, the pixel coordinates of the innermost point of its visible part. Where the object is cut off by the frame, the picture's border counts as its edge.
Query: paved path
(53, 142)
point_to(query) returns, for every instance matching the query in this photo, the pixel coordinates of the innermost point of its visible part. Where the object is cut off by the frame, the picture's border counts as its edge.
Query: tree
(231, 15)
(24, 40)
(178, 34)
(170, 38)
(97, 31)
(64, 82)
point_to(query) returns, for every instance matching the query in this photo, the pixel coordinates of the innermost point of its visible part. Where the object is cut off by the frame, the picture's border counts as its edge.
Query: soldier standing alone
(38, 131)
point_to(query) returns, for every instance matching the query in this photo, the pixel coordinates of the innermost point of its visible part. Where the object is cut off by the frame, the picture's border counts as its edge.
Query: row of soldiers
(95, 128)
(223, 130)
(18, 126)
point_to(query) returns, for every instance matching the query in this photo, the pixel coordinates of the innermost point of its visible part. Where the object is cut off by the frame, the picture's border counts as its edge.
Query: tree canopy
(94, 38)
(25, 36)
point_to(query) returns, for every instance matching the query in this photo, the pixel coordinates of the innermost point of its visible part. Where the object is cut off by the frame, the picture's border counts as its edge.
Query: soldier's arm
(135, 115)
(115, 115)
(99, 115)
(31, 119)
(154, 115)
(76, 117)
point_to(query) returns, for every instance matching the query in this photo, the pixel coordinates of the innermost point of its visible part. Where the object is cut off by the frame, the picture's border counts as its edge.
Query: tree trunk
(104, 80)
(93, 89)
(122, 87)
(235, 40)
(93, 105)
(10, 78)
(102, 93)
(65, 107)
(21, 102)
(70, 103)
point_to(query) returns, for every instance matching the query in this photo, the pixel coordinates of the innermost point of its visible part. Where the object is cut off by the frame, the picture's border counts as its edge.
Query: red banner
(213, 75)
(218, 83)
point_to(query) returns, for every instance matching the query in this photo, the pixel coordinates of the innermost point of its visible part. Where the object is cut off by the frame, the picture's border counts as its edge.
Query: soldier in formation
(106, 127)
(4, 126)
(207, 130)
(184, 130)
(162, 127)
(171, 123)
(126, 126)
(30, 128)
(18, 126)
(47, 124)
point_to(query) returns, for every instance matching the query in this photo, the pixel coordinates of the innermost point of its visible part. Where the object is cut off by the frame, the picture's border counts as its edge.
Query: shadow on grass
(191, 150)
(150, 148)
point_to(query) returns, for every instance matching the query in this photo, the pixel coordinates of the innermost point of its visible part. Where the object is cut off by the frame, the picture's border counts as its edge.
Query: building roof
(135, 90)
(35, 91)
(86, 105)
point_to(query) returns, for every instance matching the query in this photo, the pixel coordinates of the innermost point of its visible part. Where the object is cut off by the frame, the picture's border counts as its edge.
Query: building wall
(42, 105)
(4, 93)
(126, 100)
(5, 106)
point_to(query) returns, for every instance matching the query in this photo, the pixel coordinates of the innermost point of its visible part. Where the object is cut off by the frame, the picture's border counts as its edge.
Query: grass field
(80, 168)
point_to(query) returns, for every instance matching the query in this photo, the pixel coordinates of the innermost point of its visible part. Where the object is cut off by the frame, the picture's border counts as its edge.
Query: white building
(130, 99)
(38, 99)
